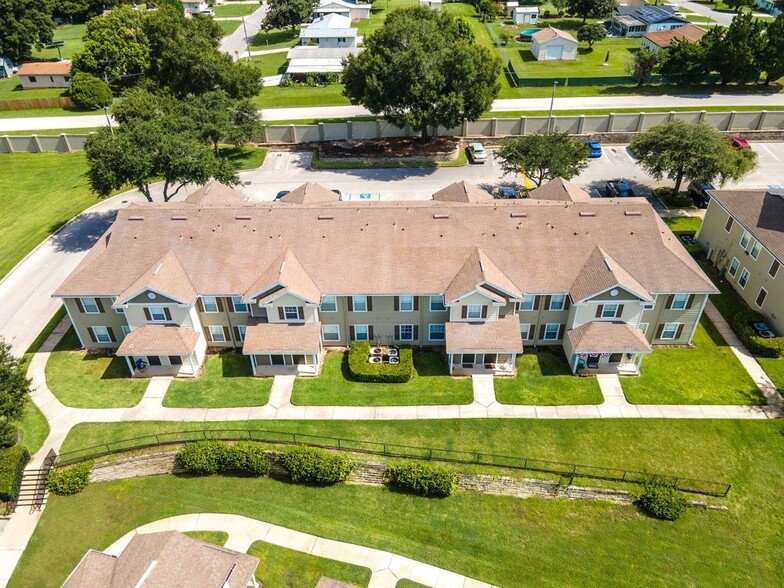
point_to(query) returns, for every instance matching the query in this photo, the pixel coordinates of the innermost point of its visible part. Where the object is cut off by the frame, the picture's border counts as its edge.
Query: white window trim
(323, 332)
(552, 300)
(761, 290)
(614, 314)
(676, 299)
(746, 237)
(94, 303)
(468, 311)
(354, 303)
(356, 332)
(736, 264)
(557, 328)
(756, 247)
(674, 331)
(778, 268)
(334, 301)
(430, 331)
(731, 224)
(212, 334)
(214, 299)
(521, 305)
(152, 313)
(401, 332)
(525, 328)
(440, 302)
(125, 329)
(98, 339)
(643, 327)
(740, 277)
(400, 304)
(235, 300)
(242, 330)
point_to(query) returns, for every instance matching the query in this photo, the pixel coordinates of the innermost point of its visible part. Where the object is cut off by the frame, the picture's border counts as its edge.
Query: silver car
(477, 152)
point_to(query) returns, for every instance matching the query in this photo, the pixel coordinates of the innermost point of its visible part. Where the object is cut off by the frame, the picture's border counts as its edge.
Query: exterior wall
(309, 313)
(520, 17)
(434, 4)
(768, 6)
(665, 26)
(540, 50)
(335, 42)
(194, 6)
(456, 311)
(224, 318)
(30, 82)
(586, 312)
(180, 316)
(651, 46)
(108, 318)
(660, 314)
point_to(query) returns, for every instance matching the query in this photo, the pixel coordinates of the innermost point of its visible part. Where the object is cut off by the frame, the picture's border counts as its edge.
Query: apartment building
(604, 279)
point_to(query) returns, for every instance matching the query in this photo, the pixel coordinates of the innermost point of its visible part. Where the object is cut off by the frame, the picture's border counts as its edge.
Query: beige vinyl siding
(107, 318)
(180, 315)
(660, 315)
(225, 318)
(491, 311)
(144, 298)
(308, 313)
(586, 312)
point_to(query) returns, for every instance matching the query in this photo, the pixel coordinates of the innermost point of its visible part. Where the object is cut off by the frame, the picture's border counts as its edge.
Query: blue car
(595, 149)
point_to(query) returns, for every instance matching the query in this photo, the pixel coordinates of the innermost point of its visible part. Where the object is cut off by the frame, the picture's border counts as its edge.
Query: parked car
(281, 194)
(207, 12)
(699, 193)
(507, 192)
(739, 143)
(619, 189)
(594, 149)
(477, 153)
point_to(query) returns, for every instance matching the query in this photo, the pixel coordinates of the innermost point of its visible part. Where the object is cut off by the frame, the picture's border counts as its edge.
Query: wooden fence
(36, 103)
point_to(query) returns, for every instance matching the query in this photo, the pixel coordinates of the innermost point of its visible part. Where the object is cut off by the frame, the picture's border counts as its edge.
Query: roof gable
(462, 191)
(288, 273)
(477, 272)
(310, 193)
(167, 277)
(601, 273)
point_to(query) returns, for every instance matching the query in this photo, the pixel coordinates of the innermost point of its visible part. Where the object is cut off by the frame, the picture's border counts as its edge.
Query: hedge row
(662, 502)
(70, 480)
(210, 457)
(315, 466)
(12, 464)
(362, 370)
(423, 479)
(741, 324)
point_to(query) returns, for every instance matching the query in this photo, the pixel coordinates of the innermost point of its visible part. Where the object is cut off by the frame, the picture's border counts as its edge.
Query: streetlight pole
(552, 102)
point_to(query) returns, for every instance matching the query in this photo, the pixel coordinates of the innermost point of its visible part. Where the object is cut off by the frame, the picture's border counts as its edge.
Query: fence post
(321, 131)
(464, 128)
(761, 120)
(522, 125)
(731, 121)
(493, 126)
(581, 125)
(610, 121)
(293, 133)
(640, 120)
(349, 130)
(702, 116)
(378, 129)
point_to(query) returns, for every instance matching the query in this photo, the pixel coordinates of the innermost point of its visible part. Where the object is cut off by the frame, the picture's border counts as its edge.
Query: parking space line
(765, 147)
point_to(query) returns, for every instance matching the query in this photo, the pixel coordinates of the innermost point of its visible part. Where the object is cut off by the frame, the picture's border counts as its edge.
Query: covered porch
(483, 348)
(163, 350)
(277, 349)
(602, 347)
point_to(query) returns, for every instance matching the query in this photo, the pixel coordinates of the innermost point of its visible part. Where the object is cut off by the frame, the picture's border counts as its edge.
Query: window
(644, 328)
(474, 311)
(406, 303)
(557, 302)
(755, 250)
(670, 330)
(610, 310)
(216, 334)
(744, 240)
(744, 278)
(761, 297)
(528, 302)
(119, 310)
(525, 331)
(551, 331)
(774, 268)
(210, 303)
(734, 266)
(728, 226)
(359, 303)
(90, 305)
(329, 304)
(157, 314)
(361, 333)
(67, 79)
(175, 360)
(125, 329)
(241, 329)
(437, 332)
(330, 332)
(437, 304)
(102, 335)
(679, 301)
(291, 313)
(238, 304)
(406, 332)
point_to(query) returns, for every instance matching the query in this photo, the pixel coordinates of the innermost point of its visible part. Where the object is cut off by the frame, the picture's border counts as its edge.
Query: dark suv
(699, 193)
(619, 189)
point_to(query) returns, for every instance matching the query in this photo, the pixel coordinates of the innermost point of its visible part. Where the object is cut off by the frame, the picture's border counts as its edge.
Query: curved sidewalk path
(387, 568)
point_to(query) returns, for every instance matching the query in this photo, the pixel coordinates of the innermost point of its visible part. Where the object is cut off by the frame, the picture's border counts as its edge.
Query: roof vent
(465, 188)
(179, 218)
(440, 216)
(518, 215)
(632, 213)
(325, 217)
(136, 218)
(242, 217)
(307, 187)
(587, 213)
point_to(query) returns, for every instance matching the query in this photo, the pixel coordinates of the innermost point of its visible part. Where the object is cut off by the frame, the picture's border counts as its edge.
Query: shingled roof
(761, 212)
(561, 190)
(462, 191)
(310, 193)
(664, 39)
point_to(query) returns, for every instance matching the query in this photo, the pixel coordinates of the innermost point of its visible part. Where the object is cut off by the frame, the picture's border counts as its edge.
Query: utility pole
(247, 41)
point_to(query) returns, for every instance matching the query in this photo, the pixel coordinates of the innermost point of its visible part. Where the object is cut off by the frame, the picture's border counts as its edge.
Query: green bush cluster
(89, 92)
(423, 479)
(69, 480)
(362, 370)
(209, 457)
(12, 464)
(741, 324)
(662, 502)
(316, 466)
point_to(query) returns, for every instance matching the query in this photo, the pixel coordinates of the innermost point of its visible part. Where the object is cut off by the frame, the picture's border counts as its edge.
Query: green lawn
(683, 223)
(430, 385)
(317, 163)
(301, 95)
(218, 538)
(279, 566)
(271, 64)
(728, 303)
(42, 112)
(39, 192)
(83, 131)
(90, 380)
(34, 428)
(275, 39)
(245, 157)
(226, 381)
(229, 26)
(709, 373)
(502, 540)
(544, 378)
(775, 370)
(72, 35)
(379, 12)
(409, 584)
(234, 10)
(11, 89)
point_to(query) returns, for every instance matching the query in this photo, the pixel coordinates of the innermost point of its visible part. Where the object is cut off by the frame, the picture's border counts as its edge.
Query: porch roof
(608, 337)
(159, 340)
(502, 336)
(282, 338)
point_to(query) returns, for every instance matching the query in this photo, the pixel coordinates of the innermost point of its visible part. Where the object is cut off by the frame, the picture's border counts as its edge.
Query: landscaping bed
(391, 148)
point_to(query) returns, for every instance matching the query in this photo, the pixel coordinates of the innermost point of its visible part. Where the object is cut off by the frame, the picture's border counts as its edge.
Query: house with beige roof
(45, 74)
(553, 44)
(478, 278)
(661, 40)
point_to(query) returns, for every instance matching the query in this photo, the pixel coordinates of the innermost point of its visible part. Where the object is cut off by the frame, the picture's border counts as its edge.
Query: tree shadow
(82, 232)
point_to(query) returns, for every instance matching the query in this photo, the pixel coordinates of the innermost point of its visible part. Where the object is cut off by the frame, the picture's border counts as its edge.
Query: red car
(739, 143)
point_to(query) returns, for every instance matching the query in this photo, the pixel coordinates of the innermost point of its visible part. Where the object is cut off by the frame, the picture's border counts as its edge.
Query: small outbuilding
(434, 4)
(7, 67)
(661, 40)
(45, 74)
(553, 44)
(525, 14)
(354, 11)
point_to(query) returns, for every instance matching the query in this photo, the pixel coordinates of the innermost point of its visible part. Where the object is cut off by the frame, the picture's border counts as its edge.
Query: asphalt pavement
(236, 44)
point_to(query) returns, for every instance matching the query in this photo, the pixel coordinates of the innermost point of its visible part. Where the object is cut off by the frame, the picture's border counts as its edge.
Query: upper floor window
(157, 314)
(210, 303)
(679, 301)
(755, 250)
(437, 304)
(238, 304)
(406, 303)
(329, 304)
(241, 330)
(744, 240)
(528, 302)
(774, 268)
(474, 311)
(610, 310)
(734, 266)
(359, 303)
(557, 302)
(744, 278)
(291, 313)
(728, 225)
(90, 305)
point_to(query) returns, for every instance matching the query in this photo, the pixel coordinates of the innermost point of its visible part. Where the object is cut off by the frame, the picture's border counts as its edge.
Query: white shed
(510, 6)
(434, 4)
(525, 14)
(551, 43)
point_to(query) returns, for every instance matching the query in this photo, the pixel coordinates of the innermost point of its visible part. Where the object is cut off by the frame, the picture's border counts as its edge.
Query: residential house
(434, 4)
(634, 21)
(324, 45)
(525, 15)
(353, 11)
(743, 236)
(476, 277)
(329, 31)
(661, 40)
(7, 67)
(768, 6)
(168, 558)
(191, 7)
(45, 74)
(552, 44)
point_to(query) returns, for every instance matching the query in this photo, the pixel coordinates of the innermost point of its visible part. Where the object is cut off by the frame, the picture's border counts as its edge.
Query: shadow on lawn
(83, 232)
(235, 365)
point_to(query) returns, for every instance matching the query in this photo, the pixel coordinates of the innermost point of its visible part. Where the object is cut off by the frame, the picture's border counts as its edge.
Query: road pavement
(236, 44)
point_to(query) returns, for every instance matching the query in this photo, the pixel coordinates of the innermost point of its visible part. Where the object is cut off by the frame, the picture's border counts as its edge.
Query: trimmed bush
(741, 324)
(363, 371)
(12, 464)
(662, 502)
(423, 479)
(247, 456)
(202, 457)
(9, 436)
(89, 92)
(70, 480)
(316, 466)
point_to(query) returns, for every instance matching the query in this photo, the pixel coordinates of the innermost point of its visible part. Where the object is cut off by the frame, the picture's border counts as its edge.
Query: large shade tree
(678, 149)
(419, 70)
(591, 8)
(14, 390)
(288, 13)
(24, 25)
(544, 157)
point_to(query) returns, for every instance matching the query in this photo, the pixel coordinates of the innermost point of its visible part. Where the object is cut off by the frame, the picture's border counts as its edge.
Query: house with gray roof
(635, 21)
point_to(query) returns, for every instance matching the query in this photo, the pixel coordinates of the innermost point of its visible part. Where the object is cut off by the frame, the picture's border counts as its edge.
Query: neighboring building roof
(45, 68)
(649, 14)
(215, 194)
(551, 33)
(664, 39)
(285, 274)
(342, 4)
(281, 338)
(329, 25)
(165, 276)
(501, 336)
(462, 191)
(527, 9)
(601, 273)
(95, 569)
(159, 340)
(607, 337)
(761, 212)
(310, 193)
(561, 190)
(478, 272)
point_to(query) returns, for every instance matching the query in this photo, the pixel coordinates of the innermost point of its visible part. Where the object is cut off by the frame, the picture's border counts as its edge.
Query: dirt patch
(410, 147)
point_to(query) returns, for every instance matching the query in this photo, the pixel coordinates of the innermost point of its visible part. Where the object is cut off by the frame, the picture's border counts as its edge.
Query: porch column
(639, 359)
(450, 364)
(576, 361)
(130, 365)
(253, 363)
(190, 363)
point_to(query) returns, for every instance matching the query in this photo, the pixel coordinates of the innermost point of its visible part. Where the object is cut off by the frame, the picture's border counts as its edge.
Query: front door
(593, 361)
(468, 359)
(153, 360)
(277, 360)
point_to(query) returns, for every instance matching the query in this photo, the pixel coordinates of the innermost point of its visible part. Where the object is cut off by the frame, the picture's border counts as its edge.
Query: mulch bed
(394, 147)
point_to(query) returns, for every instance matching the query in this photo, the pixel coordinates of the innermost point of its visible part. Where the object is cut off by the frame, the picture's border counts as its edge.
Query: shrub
(247, 456)
(662, 502)
(70, 480)
(316, 466)
(12, 464)
(89, 92)
(424, 479)
(202, 457)
(741, 324)
(363, 371)
(9, 436)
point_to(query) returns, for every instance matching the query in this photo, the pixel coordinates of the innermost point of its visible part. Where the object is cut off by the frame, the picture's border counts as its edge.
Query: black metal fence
(570, 470)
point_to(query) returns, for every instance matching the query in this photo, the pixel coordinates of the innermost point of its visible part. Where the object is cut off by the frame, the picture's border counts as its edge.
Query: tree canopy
(678, 149)
(418, 70)
(287, 13)
(734, 52)
(590, 33)
(642, 64)
(773, 52)
(591, 8)
(24, 24)
(544, 157)
(14, 389)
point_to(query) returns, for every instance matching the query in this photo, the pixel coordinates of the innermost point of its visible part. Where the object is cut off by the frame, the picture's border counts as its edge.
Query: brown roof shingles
(282, 338)
(311, 193)
(560, 189)
(45, 68)
(761, 212)
(600, 273)
(607, 337)
(664, 39)
(166, 277)
(501, 336)
(462, 192)
(159, 340)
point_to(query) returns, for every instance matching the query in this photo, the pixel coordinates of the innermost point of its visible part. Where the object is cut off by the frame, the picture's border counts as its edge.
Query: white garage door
(554, 52)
